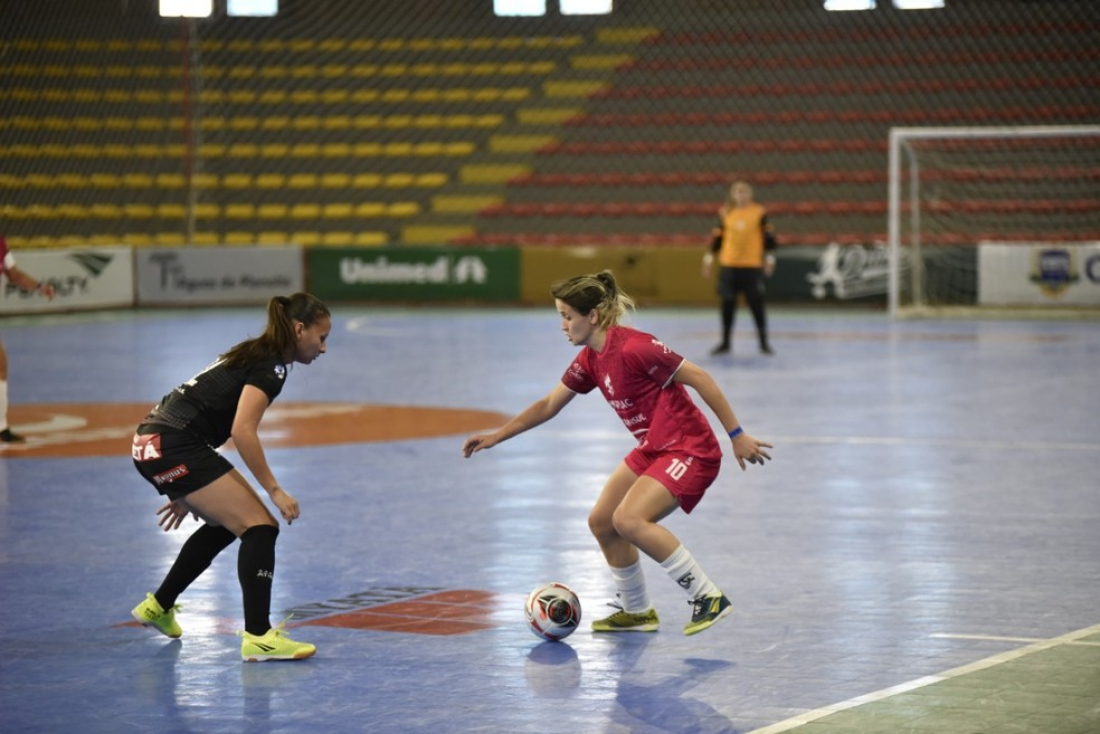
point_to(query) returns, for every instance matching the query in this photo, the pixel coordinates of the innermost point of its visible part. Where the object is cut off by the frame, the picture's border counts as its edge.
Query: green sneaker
(151, 614)
(273, 645)
(706, 610)
(624, 621)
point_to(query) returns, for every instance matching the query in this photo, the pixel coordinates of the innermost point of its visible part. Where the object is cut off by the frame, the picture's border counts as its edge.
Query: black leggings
(750, 281)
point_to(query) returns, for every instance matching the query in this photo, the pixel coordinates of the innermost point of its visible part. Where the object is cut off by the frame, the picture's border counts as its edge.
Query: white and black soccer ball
(553, 611)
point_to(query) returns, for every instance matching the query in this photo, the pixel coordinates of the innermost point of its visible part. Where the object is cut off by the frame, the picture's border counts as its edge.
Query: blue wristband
(736, 432)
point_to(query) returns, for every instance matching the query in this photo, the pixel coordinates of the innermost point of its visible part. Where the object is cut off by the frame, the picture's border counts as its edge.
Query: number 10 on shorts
(676, 469)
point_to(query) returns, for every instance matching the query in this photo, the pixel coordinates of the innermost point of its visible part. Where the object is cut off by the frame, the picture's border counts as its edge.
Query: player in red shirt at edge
(677, 457)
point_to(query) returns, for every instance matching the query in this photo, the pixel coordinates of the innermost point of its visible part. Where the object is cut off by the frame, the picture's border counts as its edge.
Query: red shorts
(686, 476)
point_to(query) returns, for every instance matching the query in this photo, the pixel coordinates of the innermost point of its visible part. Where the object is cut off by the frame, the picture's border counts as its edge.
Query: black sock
(194, 557)
(729, 311)
(256, 571)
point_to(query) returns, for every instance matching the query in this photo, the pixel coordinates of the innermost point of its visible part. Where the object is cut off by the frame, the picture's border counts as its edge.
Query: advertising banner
(413, 274)
(216, 275)
(672, 275)
(1039, 274)
(84, 278)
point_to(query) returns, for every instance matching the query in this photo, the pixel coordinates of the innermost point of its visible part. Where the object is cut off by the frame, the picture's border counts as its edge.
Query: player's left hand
(477, 443)
(288, 506)
(172, 516)
(748, 449)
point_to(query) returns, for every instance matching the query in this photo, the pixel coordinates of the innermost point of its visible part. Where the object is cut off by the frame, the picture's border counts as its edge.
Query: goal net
(994, 218)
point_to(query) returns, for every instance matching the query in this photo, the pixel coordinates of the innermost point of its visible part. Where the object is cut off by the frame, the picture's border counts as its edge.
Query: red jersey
(634, 372)
(7, 260)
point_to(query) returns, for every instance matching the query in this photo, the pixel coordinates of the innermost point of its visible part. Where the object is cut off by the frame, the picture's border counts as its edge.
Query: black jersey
(207, 403)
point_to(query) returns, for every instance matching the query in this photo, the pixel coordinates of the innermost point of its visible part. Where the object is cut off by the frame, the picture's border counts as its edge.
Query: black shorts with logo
(176, 462)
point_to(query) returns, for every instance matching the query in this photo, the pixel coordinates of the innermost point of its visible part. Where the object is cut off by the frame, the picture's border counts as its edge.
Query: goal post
(975, 212)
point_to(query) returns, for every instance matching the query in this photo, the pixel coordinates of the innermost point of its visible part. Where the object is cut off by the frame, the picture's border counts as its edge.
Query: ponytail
(597, 291)
(278, 336)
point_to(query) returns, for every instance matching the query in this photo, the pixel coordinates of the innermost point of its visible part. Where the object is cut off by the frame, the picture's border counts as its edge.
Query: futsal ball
(553, 611)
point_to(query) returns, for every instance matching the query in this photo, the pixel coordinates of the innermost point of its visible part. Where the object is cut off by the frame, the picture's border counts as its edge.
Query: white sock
(3, 404)
(682, 568)
(630, 586)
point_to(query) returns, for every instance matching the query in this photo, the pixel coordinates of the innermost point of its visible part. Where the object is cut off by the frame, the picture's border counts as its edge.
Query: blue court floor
(922, 555)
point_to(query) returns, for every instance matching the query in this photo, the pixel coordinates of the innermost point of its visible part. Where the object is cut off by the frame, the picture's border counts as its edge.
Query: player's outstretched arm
(535, 414)
(745, 447)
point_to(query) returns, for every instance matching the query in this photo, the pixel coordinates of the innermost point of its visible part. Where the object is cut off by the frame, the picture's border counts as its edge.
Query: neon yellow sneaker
(706, 610)
(151, 614)
(624, 621)
(273, 645)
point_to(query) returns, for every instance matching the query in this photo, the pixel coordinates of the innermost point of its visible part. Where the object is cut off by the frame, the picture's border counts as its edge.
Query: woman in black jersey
(174, 449)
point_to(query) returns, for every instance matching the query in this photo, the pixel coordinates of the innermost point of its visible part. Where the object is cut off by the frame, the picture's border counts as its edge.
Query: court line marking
(998, 638)
(970, 443)
(796, 721)
(952, 442)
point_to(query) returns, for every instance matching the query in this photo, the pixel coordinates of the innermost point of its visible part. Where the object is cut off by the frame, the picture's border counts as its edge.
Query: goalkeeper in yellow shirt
(745, 248)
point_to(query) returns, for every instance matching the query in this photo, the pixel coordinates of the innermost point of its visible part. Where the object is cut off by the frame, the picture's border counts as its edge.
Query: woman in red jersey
(677, 457)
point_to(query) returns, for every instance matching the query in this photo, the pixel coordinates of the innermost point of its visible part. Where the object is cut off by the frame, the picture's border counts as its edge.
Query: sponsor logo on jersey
(607, 385)
(280, 371)
(146, 448)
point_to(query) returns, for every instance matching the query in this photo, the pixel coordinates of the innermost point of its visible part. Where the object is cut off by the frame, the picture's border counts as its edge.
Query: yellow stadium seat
(239, 211)
(366, 181)
(138, 211)
(371, 239)
(337, 239)
(236, 181)
(270, 181)
(137, 239)
(335, 180)
(403, 209)
(169, 238)
(70, 211)
(105, 211)
(272, 237)
(370, 210)
(306, 238)
(171, 211)
(302, 181)
(239, 238)
(137, 180)
(305, 211)
(104, 180)
(337, 211)
(271, 211)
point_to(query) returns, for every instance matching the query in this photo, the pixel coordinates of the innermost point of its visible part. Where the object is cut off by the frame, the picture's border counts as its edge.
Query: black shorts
(732, 281)
(176, 462)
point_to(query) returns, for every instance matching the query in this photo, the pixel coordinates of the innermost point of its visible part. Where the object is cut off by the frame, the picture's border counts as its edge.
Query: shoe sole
(302, 655)
(150, 625)
(721, 615)
(640, 628)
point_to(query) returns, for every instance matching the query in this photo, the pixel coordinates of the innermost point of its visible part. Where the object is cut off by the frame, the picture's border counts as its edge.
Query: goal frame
(898, 146)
